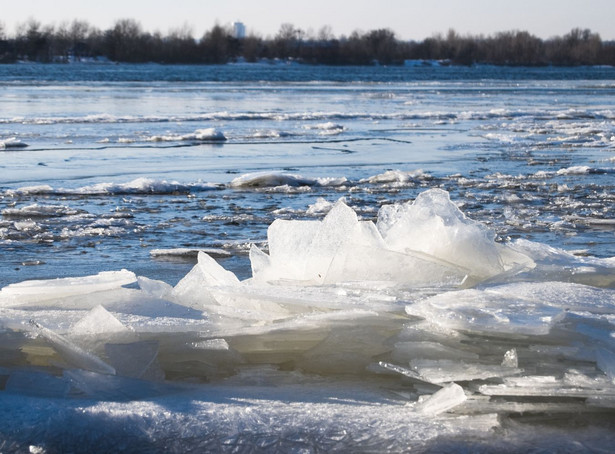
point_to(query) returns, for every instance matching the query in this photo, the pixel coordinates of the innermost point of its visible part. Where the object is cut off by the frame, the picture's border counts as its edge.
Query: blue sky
(409, 19)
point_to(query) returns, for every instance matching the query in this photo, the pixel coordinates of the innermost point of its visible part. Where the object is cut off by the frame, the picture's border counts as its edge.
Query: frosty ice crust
(424, 301)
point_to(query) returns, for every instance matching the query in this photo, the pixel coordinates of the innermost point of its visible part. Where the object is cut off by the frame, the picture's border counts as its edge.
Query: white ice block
(96, 322)
(433, 225)
(50, 289)
(194, 289)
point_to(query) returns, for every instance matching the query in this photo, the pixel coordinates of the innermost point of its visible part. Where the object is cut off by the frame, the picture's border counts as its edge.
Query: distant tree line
(127, 42)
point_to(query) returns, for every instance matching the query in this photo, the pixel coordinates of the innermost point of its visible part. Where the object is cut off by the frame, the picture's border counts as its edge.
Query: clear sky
(409, 19)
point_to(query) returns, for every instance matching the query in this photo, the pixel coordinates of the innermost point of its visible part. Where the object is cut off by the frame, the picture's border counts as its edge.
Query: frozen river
(465, 257)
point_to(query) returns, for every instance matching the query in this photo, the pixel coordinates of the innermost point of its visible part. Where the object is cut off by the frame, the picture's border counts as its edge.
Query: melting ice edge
(420, 323)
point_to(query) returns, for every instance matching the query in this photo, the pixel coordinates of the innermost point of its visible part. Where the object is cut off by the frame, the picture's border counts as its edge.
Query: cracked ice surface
(419, 331)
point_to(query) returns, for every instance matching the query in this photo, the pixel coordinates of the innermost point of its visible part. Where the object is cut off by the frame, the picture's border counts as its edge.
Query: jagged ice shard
(421, 320)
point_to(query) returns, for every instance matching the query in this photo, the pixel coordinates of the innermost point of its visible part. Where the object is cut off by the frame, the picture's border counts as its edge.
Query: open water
(115, 165)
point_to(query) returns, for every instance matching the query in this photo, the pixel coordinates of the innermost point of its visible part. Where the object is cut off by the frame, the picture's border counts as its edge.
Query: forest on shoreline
(127, 42)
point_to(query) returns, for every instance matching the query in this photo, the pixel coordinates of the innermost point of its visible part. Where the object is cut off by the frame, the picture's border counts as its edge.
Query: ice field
(368, 261)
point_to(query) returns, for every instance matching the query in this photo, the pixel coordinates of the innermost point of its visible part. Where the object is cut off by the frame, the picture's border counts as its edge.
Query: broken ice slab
(135, 359)
(71, 353)
(405, 351)
(335, 230)
(193, 289)
(445, 371)
(477, 404)
(303, 250)
(157, 289)
(36, 383)
(44, 290)
(289, 243)
(368, 263)
(402, 371)
(548, 386)
(518, 308)
(188, 253)
(441, 401)
(97, 321)
(346, 350)
(434, 225)
(554, 264)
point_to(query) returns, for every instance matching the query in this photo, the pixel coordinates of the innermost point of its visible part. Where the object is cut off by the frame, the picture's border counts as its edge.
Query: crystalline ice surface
(523, 308)
(432, 224)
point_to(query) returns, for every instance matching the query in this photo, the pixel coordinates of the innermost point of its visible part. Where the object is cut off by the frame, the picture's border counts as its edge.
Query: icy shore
(418, 332)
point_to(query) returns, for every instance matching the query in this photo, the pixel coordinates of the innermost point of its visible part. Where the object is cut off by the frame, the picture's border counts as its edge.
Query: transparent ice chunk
(433, 225)
(73, 354)
(444, 371)
(98, 321)
(429, 350)
(135, 359)
(443, 400)
(193, 289)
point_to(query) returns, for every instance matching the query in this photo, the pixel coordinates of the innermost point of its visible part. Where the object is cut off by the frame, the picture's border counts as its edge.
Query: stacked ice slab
(426, 242)
(424, 302)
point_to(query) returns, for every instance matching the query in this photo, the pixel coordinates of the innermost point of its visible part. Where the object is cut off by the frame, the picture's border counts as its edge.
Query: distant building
(239, 30)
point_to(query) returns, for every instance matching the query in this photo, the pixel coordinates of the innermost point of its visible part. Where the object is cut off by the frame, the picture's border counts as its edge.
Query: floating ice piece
(207, 134)
(321, 206)
(395, 176)
(188, 252)
(73, 354)
(270, 179)
(443, 400)
(574, 170)
(280, 179)
(43, 290)
(12, 143)
(36, 210)
(433, 225)
(328, 127)
(98, 321)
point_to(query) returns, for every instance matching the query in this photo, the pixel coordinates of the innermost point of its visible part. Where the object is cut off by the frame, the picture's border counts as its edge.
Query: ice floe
(12, 143)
